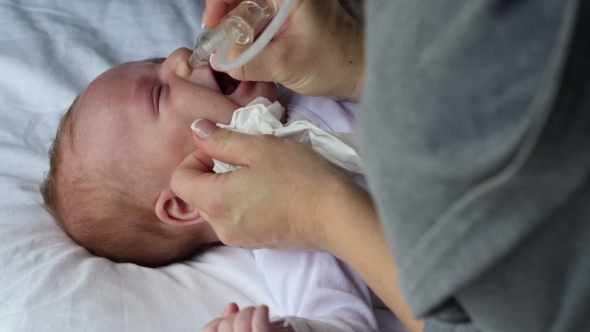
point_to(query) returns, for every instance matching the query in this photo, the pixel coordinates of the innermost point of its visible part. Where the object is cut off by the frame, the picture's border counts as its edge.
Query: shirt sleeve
(455, 96)
(317, 292)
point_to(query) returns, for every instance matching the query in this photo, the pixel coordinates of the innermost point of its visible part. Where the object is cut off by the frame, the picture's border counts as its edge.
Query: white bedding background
(49, 51)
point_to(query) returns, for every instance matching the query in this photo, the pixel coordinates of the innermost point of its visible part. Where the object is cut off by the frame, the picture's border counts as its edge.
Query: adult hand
(278, 198)
(318, 51)
(286, 196)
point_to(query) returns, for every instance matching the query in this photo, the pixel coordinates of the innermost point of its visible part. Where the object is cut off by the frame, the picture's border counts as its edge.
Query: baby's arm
(317, 292)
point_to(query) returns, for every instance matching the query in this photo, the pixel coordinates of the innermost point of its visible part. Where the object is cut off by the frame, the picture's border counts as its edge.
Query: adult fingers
(215, 10)
(228, 146)
(193, 178)
(266, 66)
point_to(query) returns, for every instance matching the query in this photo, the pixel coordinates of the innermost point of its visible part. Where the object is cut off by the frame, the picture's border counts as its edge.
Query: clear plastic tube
(239, 28)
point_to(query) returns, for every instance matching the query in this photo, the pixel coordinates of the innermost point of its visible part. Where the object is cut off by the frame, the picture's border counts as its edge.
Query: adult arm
(455, 93)
(307, 205)
(352, 233)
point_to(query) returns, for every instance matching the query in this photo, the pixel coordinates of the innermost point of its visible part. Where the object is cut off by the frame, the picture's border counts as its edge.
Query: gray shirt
(475, 128)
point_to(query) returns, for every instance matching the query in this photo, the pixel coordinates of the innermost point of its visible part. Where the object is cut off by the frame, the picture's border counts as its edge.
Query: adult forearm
(353, 234)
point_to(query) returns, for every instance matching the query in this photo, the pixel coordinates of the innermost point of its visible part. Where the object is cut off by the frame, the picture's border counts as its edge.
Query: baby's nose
(177, 62)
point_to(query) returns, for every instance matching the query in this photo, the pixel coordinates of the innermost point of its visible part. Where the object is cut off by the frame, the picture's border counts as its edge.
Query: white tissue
(263, 117)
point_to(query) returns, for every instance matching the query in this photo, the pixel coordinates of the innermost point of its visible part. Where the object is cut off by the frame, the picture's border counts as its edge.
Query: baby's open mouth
(226, 83)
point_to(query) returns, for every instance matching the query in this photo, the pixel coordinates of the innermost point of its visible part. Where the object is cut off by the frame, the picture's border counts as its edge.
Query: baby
(109, 183)
(118, 144)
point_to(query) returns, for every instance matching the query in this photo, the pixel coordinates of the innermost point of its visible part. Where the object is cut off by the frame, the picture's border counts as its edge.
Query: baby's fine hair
(105, 219)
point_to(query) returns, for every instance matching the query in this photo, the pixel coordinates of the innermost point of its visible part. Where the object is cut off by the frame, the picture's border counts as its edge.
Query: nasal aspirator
(239, 28)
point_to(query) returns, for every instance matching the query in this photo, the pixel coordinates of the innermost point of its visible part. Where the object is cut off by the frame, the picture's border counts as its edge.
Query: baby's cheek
(182, 145)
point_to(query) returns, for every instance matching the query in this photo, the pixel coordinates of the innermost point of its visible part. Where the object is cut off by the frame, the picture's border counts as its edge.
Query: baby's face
(137, 116)
(125, 136)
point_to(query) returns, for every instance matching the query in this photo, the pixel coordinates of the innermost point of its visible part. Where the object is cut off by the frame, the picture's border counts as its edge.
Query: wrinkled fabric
(474, 128)
(261, 117)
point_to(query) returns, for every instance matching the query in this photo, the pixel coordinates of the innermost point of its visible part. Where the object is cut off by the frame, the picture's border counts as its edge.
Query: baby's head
(117, 147)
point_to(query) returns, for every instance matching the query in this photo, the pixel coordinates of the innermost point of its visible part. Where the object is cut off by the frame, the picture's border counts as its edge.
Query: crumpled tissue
(263, 117)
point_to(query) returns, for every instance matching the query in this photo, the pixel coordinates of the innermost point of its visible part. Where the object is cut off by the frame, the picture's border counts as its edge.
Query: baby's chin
(248, 91)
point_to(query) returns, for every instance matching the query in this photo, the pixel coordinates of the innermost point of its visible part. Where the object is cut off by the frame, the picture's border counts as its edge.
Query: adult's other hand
(318, 51)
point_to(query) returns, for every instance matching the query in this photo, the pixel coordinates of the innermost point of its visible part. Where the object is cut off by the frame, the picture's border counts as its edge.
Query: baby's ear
(174, 211)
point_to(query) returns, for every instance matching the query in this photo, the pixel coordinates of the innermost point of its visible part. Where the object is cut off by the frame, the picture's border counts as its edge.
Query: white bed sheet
(49, 51)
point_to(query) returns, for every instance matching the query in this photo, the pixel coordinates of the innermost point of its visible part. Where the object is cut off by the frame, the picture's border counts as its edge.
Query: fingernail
(203, 19)
(203, 128)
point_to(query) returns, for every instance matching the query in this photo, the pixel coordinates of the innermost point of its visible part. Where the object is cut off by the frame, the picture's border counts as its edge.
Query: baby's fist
(250, 319)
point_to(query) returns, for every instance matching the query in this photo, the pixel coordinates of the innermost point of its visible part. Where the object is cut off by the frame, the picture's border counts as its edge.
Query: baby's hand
(250, 319)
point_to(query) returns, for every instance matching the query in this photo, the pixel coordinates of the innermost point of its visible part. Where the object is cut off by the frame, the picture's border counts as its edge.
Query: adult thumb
(224, 145)
(263, 67)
